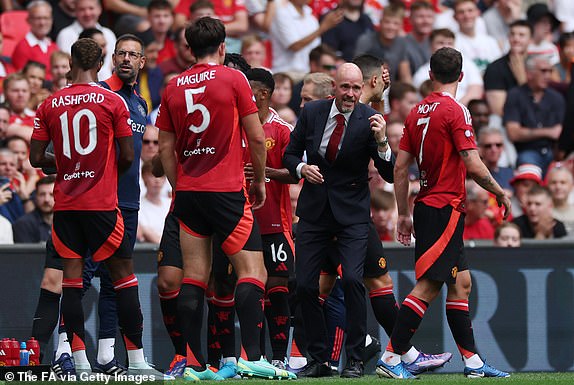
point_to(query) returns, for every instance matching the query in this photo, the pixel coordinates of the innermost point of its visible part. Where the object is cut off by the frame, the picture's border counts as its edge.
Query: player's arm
(401, 180)
(281, 175)
(157, 167)
(256, 143)
(480, 174)
(167, 155)
(38, 156)
(126, 156)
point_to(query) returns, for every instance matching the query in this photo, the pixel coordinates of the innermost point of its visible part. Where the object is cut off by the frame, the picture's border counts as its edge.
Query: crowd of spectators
(516, 83)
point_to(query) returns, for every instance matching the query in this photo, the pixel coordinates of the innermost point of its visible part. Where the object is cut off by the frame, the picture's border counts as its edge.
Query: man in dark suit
(339, 136)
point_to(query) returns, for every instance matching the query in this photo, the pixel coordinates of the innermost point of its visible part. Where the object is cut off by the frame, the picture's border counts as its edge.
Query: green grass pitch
(442, 379)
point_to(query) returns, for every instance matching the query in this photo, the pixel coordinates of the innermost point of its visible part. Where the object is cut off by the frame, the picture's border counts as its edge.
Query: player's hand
(257, 190)
(312, 174)
(504, 200)
(404, 229)
(378, 126)
(248, 171)
(386, 77)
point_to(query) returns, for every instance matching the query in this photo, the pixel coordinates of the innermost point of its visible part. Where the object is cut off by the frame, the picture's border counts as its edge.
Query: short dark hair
(48, 179)
(369, 65)
(201, 4)
(564, 38)
(421, 4)
(521, 23)
(398, 90)
(130, 37)
(32, 63)
(261, 76)
(476, 102)
(89, 33)
(86, 54)
(446, 65)
(159, 4)
(539, 190)
(204, 36)
(320, 50)
(444, 32)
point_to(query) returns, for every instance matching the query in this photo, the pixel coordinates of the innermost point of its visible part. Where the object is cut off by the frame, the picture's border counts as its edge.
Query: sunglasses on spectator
(491, 145)
(147, 141)
(329, 67)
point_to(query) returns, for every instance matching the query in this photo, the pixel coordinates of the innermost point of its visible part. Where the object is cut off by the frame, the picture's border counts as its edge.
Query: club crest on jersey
(269, 143)
(454, 271)
(159, 256)
(382, 263)
(468, 133)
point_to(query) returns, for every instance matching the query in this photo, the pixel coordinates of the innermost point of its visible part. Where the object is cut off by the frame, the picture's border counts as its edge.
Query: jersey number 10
(92, 133)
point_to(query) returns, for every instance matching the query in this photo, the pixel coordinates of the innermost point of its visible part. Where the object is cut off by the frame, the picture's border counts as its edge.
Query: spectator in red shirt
(477, 225)
(6, 67)
(36, 45)
(161, 19)
(231, 12)
(183, 58)
(17, 94)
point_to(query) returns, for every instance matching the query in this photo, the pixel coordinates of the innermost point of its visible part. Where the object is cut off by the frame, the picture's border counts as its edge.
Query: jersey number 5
(192, 107)
(92, 132)
(425, 122)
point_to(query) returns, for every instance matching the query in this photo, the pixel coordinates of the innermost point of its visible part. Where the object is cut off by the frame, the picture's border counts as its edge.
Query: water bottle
(24, 355)
(4, 351)
(15, 348)
(33, 347)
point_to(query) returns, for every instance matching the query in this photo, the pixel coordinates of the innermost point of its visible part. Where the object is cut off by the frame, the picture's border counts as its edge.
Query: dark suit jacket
(346, 185)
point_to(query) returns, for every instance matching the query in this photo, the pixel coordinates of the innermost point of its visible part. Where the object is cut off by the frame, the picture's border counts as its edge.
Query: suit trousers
(311, 245)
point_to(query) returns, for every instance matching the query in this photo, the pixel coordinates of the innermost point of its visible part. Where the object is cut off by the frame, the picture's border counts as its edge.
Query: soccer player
(86, 122)
(274, 218)
(202, 115)
(128, 59)
(438, 134)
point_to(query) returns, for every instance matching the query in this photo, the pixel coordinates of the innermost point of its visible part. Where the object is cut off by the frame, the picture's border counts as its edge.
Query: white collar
(34, 41)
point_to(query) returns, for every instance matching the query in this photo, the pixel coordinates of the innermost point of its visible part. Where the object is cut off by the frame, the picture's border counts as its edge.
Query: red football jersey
(203, 107)
(275, 215)
(83, 121)
(436, 130)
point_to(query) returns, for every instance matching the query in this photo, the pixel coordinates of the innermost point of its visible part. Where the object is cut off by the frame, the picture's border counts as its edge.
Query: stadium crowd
(516, 84)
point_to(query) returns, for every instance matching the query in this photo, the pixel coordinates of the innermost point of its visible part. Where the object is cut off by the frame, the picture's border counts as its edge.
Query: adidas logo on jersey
(282, 267)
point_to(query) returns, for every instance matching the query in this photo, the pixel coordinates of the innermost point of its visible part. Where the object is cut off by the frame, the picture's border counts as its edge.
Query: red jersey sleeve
(462, 132)
(41, 131)
(406, 143)
(245, 99)
(122, 126)
(163, 121)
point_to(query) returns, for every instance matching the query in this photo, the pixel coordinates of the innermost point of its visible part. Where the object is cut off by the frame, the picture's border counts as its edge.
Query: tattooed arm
(479, 172)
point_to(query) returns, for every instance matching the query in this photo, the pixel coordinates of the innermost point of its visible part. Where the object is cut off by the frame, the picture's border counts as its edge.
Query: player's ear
(461, 76)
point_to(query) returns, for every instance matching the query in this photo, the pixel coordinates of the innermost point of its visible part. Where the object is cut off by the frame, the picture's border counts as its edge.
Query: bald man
(334, 202)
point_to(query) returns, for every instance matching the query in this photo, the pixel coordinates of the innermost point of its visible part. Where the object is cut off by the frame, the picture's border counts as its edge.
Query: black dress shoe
(354, 369)
(315, 369)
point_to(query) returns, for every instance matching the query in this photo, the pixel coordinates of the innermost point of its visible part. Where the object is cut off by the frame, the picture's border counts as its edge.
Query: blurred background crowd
(517, 85)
